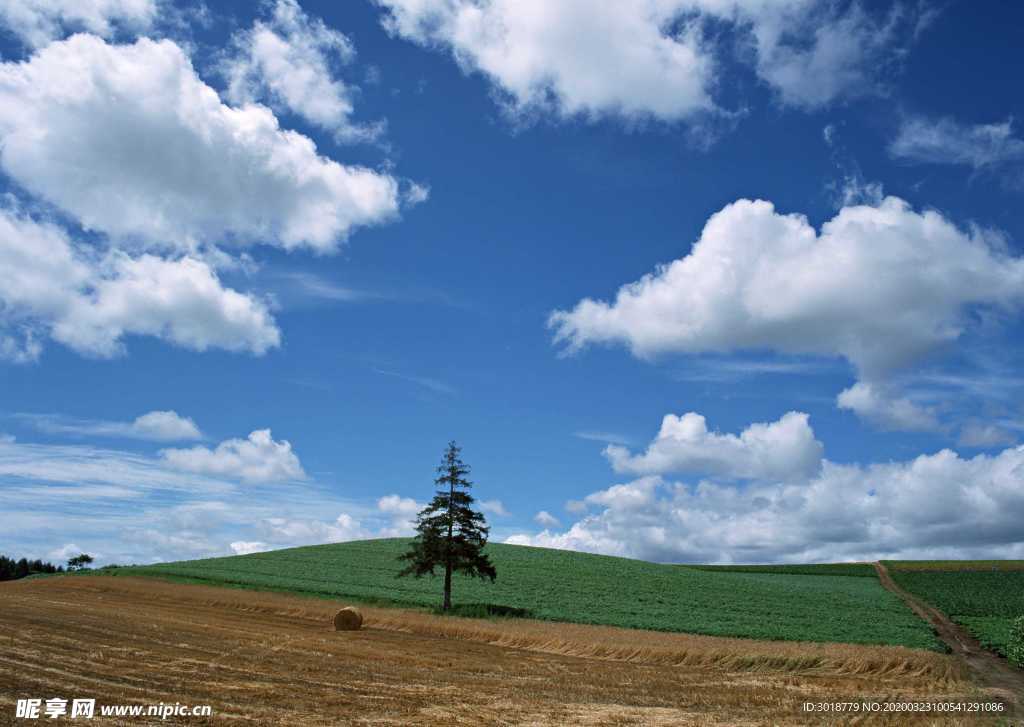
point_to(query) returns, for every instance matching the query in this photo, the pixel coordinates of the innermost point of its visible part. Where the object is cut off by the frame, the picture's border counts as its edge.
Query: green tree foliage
(1015, 650)
(79, 561)
(11, 569)
(449, 533)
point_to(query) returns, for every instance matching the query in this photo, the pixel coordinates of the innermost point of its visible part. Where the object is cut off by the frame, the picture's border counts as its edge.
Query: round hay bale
(348, 619)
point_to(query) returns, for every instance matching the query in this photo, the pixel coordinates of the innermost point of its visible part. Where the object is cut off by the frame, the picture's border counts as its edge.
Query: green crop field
(992, 631)
(983, 596)
(955, 565)
(862, 570)
(582, 588)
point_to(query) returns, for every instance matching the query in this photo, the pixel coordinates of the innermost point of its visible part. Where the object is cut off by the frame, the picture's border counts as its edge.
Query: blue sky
(373, 227)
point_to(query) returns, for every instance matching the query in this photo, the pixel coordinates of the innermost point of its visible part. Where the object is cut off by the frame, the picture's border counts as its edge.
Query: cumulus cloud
(245, 547)
(880, 285)
(947, 141)
(494, 507)
(165, 425)
(90, 300)
(180, 300)
(63, 553)
(157, 426)
(259, 458)
(546, 520)
(394, 517)
(651, 59)
(574, 57)
(312, 532)
(131, 142)
(785, 449)
(37, 22)
(290, 60)
(937, 505)
(405, 507)
(881, 405)
(400, 513)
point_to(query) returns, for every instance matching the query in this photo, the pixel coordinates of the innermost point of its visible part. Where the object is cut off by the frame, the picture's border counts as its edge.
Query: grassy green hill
(582, 588)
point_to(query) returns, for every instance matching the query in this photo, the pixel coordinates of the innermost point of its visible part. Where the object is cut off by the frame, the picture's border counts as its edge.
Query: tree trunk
(448, 546)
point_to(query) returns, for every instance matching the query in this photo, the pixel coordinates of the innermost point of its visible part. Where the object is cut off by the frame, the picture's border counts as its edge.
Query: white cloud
(574, 57)
(289, 60)
(245, 547)
(404, 507)
(880, 404)
(313, 532)
(785, 450)
(946, 141)
(257, 459)
(394, 517)
(936, 505)
(494, 507)
(879, 285)
(179, 300)
(417, 193)
(400, 513)
(63, 553)
(21, 347)
(546, 520)
(129, 140)
(88, 300)
(37, 22)
(651, 59)
(165, 426)
(811, 52)
(157, 426)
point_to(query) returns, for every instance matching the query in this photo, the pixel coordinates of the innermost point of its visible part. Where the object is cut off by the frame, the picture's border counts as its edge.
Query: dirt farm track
(261, 658)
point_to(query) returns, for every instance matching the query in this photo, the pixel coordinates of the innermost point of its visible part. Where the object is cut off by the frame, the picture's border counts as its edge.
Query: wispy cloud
(315, 286)
(494, 507)
(947, 141)
(54, 465)
(718, 370)
(434, 385)
(603, 437)
(155, 426)
(128, 507)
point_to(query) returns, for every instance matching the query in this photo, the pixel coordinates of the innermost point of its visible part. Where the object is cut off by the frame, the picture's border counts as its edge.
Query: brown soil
(270, 659)
(988, 670)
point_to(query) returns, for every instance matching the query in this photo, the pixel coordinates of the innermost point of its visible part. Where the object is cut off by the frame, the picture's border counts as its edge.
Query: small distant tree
(449, 533)
(79, 561)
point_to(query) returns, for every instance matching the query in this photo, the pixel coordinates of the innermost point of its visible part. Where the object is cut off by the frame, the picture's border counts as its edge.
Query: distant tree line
(11, 569)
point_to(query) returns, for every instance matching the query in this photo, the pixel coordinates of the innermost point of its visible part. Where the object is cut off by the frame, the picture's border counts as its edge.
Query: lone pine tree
(449, 533)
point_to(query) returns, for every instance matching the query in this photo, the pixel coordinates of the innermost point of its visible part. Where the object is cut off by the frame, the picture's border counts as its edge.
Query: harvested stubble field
(818, 603)
(270, 658)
